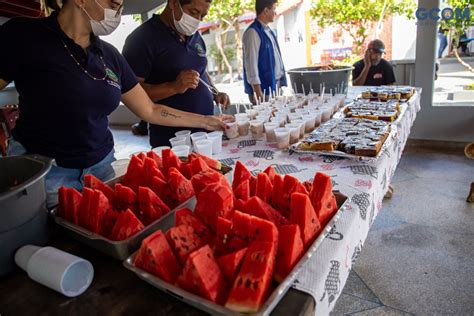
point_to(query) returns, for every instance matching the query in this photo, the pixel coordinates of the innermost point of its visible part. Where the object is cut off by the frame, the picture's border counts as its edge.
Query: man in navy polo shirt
(263, 64)
(373, 70)
(168, 56)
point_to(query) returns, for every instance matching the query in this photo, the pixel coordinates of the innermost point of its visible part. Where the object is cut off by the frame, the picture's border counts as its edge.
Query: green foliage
(356, 16)
(458, 26)
(226, 12)
(216, 55)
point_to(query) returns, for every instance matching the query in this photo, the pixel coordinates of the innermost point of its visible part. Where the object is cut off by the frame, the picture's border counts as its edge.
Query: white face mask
(188, 25)
(109, 24)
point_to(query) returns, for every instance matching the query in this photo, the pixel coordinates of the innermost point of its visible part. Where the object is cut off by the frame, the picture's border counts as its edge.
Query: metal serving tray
(119, 250)
(213, 308)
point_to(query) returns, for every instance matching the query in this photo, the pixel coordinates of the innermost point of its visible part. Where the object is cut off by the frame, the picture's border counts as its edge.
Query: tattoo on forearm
(166, 113)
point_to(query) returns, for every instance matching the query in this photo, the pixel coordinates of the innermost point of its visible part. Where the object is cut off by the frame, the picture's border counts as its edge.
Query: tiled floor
(419, 255)
(418, 258)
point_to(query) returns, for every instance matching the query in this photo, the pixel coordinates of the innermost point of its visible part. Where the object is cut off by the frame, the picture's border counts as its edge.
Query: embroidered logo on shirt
(112, 78)
(378, 76)
(200, 50)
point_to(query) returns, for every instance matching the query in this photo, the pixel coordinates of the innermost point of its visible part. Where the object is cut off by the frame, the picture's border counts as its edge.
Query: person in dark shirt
(69, 81)
(168, 56)
(373, 70)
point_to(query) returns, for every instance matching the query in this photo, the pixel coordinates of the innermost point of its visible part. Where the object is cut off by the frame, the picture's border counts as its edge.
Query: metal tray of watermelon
(214, 309)
(119, 250)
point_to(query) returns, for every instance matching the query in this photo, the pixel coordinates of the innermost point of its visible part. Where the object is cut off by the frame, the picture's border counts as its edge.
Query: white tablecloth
(365, 183)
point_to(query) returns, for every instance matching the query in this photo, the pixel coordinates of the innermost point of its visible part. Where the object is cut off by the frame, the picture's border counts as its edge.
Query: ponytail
(48, 6)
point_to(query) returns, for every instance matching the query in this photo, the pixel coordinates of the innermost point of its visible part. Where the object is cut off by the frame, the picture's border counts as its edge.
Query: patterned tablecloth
(365, 183)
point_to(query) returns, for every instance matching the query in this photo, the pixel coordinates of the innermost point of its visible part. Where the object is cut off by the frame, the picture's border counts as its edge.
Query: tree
(226, 14)
(357, 16)
(216, 55)
(457, 20)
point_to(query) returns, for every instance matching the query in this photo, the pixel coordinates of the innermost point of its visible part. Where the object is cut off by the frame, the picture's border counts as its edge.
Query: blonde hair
(48, 6)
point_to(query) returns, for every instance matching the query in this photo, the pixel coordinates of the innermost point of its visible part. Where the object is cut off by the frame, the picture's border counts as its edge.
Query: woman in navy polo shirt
(69, 81)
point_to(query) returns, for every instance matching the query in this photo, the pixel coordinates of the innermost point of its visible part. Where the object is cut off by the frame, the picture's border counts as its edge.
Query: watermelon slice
(290, 250)
(241, 173)
(93, 183)
(111, 217)
(151, 154)
(256, 207)
(184, 240)
(126, 226)
(215, 200)
(170, 160)
(211, 163)
(202, 276)
(133, 178)
(250, 228)
(270, 171)
(99, 207)
(155, 256)
(187, 170)
(242, 192)
(126, 198)
(253, 283)
(308, 186)
(199, 165)
(84, 208)
(186, 217)
(150, 206)
(303, 214)
(277, 190)
(322, 198)
(180, 187)
(264, 187)
(253, 185)
(204, 179)
(230, 264)
(161, 188)
(239, 204)
(141, 156)
(69, 204)
(283, 197)
(150, 171)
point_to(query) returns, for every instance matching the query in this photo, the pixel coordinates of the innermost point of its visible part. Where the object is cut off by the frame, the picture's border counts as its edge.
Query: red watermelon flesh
(226, 241)
(303, 214)
(277, 191)
(150, 206)
(133, 178)
(239, 204)
(199, 165)
(253, 186)
(92, 182)
(202, 276)
(215, 200)
(187, 170)
(253, 282)
(69, 204)
(212, 163)
(204, 179)
(290, 185)
(157, 257)
(264, 187)
(84, 208)
(151, 154)
(184, 240)
(141, 156)
(308, 186)
(270, 171)
(230, 264)
(126, 198)
(126, 226)
(98, 210)
(241, 173)
(186, 217)
(250, 228)
(150, 171)
(256, 207)
(322, 198)
(290, 250)
(63, 207)
(180, 187)
(242, 192)
(161, 188)
(170, 160)
(111, 217)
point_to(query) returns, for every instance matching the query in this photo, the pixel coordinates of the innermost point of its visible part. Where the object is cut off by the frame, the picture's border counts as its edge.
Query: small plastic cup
(302, 124)
(243, 127)
(232, 130)
(198, 136)
(294, 116)
(241, 116)
(310, 122)
(252, 114)
(270, 131)
(262, 117)
(181, 150)
(327, 113)
(178, 141)
(317, 117)
(258, 108)
(185, 133)
(294, 132)
(56, 269)
(282, 135)
(256, 127)
(204, 147)
(216, 138)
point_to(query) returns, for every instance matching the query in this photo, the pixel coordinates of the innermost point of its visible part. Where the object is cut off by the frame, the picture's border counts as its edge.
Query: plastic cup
(317, 117)
(294, 132)
(294, 116)
(258, 108)
(252, 114)
(198, 136)
(56, 269)
(216, 138)
(181, 150)
(158, 150)
(178, 141)
(310, 122)
(243, 127)
(120, 166)
(204, 147)
(232, 130)
(241, 116)
(263, 117)
(185, 133)
(282, 135)
(327, 113)
(256, 127)
(302, 124)
(270, 131)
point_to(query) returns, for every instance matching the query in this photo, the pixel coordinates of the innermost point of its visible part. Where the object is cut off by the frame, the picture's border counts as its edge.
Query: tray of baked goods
(373, 110)
(386, 93)
(353, 138)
